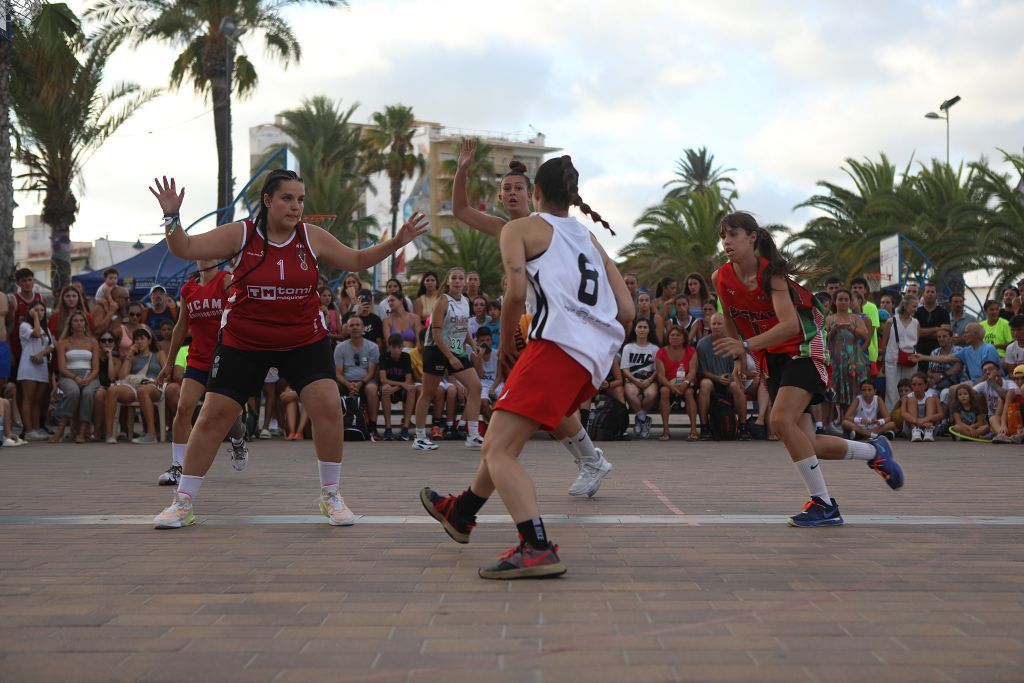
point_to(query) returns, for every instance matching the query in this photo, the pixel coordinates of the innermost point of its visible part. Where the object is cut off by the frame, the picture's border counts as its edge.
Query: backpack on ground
(355, 419)
(722, 416)
(608, 419)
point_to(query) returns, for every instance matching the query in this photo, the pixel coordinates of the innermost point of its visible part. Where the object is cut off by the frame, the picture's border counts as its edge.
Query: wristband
(746, 346)
(171, 223)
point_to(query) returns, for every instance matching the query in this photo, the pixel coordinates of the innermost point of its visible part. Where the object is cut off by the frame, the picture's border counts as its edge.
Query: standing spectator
(18, 304)
(655, 320)
(958, 318)
(160, 308)
(857, 302)
(401, 321)
(632, 284)
(392, 288)
(473, 286)
(34, 369)
(134, 323)
(1015, 351)
(78, 369)
(692, 325)
(426, 296)
(921, 410)
(707, 310)
(356, 361)
(396, 386)
(696, 289)
(912, 288)
(844, 332)
(69, 301)
(637, 363)
(968, 415)
(664, 296)
(973, 354)
(718, 377)
(1011, 303)
(676, 370)
(859, 285)
(833, 285)
(931, 317)
(900, 342)
(997, 330)
(886, 307)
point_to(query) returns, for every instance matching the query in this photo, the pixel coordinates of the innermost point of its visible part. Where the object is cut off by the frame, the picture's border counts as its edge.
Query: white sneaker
(177, 514)
(112, 439)
(332, 505)
(424, 444)
(37, 435)
(12, 443)
(590, 477)
(264, 434)
(474, 442)
(915, 435)
(929, 434)
(239, 455)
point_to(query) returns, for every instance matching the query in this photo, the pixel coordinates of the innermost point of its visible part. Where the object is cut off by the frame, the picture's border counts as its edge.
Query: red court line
(668, 503)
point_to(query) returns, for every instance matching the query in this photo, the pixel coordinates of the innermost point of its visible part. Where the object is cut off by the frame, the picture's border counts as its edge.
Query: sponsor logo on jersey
(205, 308)
(272, 293)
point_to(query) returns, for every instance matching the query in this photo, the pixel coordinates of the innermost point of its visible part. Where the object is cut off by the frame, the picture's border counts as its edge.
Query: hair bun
(517, 166)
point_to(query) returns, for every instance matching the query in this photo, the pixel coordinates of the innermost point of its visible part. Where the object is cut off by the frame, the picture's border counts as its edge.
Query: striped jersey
(575, 304)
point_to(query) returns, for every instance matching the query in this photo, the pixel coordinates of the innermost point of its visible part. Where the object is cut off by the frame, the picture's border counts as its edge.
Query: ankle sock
(532, 531)
(330, 473)
(177, 454)
(810, 471)
(190, 484)
(468, 504)
(585, 447)
(473, 427)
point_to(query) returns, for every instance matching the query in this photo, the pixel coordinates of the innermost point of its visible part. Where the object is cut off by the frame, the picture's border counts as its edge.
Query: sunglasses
(108, 340)
(134, 315)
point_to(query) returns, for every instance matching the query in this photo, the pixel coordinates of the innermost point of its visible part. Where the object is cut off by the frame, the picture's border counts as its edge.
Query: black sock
(532, 531)
(468, 504)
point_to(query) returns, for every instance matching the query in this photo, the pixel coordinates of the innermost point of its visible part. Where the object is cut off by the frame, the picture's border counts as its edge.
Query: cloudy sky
(783, 92)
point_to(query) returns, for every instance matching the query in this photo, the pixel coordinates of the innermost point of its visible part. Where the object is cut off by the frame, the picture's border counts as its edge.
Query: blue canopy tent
(155, 265)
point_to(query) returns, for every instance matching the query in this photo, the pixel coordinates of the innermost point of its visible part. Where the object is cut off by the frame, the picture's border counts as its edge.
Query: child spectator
(993, 388)
(487, 366)
(922, 412)
(34, 369)
(997, 330)
(867, 416)
(104, 291)
(903, 390)
(396, 386)
(967, 413)
(1009, 427)
(494, 313)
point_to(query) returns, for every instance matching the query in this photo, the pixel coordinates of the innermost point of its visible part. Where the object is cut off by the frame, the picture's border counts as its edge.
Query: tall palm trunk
(6, 175)
(216, 64)
(59, 210)
(396, 196)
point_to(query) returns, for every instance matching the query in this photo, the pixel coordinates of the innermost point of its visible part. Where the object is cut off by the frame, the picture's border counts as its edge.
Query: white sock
(330, 473)
(273, 424)
(810, 470)
(817, 425)
(189, 484)
(585, 447)
(421, 433)
(570, 445)
(859, 450)
(474, 429)
(177, 453)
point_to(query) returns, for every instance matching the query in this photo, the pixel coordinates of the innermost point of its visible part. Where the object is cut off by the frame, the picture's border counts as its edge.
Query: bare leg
(507, 435)
(215, 419)
(323, 405)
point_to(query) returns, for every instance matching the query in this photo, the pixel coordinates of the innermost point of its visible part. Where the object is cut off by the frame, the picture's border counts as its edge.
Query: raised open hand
(167, 194)
(413, 228)
(467, 152)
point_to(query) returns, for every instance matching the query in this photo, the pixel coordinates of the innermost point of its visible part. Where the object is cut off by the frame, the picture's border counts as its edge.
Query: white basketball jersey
(575, 305)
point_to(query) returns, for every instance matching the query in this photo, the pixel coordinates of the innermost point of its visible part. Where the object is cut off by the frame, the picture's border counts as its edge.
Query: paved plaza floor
(681, 569)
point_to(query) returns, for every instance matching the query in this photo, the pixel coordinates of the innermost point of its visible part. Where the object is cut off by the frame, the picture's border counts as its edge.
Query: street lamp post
(944, 108)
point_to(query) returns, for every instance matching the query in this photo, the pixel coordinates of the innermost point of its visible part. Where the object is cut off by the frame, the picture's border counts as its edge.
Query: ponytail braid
(559, 180)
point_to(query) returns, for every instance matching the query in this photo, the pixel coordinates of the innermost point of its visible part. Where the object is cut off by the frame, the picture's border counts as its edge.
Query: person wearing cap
(1006, 424)
(159, 309)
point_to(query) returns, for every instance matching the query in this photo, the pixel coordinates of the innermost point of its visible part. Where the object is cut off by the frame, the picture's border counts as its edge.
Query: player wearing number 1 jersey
(583, 306)
(272, 320)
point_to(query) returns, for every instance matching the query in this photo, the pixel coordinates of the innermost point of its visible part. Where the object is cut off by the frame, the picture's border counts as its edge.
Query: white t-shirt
(1014, 355)
(638, 359)
(991, 396)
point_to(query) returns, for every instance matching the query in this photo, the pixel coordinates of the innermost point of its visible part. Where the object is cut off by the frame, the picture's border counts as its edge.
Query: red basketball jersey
(274, 305)
(20, 311)
(204, 305)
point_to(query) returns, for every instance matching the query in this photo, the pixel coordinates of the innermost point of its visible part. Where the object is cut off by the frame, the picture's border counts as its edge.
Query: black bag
(355, 419)
(608, 419)
(722, 416)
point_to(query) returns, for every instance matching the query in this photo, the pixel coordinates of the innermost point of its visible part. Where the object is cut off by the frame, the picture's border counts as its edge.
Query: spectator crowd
(85, 367)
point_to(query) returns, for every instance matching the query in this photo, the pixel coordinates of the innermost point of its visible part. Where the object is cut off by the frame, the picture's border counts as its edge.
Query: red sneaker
(525, 562)
(442, 508)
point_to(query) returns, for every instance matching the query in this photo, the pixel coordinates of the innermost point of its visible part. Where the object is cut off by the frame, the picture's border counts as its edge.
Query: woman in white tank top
(78, 370)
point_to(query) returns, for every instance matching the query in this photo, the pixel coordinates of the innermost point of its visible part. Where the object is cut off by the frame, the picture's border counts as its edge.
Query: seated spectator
(392, 288)
(994, 389)
(296, 418)
(485, 360)
(968, 415)
(996, 329)
(903, 389)
(161, 307)
(718, 377)
(135, 381)
(611, 386)
(401, 321)
(867, 417)
(899, 339)
(356, 361)
(1009, 428)
(11, 438)
(1015, 351)
(692, 325)
(454, 396)
(494, 313)
(109, 364)
(921, 409)
(676, 370)
(396, 385)
(756, 389)
(273, 385)
(973, 354)
(373, 326)
(637, 363)
(941, 376)
(78, 369)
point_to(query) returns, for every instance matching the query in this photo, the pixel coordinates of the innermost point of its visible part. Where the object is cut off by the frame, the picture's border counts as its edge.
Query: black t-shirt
(1006, 314)
(373, 329)
(395, 370)
(937, 317)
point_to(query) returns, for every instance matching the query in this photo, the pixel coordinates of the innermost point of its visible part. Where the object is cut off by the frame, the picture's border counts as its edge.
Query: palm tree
(208, 59)
(480, 183)
(62, 116)
(1004, 232)
(391, 139)
(469, 249)
(679, 235)
(695, 170)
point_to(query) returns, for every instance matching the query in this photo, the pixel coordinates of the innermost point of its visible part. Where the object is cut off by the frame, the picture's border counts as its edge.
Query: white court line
(596, 520)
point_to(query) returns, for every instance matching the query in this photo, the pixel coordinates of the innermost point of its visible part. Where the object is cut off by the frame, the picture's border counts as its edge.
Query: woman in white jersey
(446, 351)
(583, 307)
(513, 194)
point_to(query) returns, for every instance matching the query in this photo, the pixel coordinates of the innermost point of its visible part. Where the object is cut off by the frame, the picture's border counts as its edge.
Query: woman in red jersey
(203, 298)
(272, 319)
(768, 314)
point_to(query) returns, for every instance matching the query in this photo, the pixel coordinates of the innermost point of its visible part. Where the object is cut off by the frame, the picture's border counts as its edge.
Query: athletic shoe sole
(545, 571)
(323, 511)
(456, 535)
(416, 446)
(175, 525)
(838, 521)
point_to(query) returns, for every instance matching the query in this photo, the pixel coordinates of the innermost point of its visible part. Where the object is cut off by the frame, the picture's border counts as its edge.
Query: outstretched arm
(478, 220)
(334, 253)
(221, 243)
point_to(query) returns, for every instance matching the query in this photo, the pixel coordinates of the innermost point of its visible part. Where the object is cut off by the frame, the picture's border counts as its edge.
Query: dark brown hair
(764, 246)
(274, 180)
(518, 168)
(558, 181)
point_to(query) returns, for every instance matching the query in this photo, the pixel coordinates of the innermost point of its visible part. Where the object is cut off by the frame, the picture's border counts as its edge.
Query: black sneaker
(705, 433)
(743, 434)
(171, 477)
(404, 434)
(525, 562)
(387, 436)
(817, 512)
(442, 508)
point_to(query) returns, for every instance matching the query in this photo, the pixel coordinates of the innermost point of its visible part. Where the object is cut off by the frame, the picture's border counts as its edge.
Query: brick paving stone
(401, 602)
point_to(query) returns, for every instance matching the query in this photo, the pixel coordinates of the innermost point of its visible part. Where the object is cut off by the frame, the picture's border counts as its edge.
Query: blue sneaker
(818, 513)
(885, 463)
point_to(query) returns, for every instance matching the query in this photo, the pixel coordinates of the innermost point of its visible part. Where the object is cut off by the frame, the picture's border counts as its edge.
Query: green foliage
(469, 249)
(392, 151)
(696, 170)
(481, 187)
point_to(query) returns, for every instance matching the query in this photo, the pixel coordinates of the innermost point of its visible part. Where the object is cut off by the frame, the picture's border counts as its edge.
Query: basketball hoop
(324, 220)
(18, 11)
(874, 281)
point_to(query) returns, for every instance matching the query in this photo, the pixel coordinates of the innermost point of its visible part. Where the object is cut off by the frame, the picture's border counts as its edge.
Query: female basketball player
(769, 314)
(272, 319)
(202, 303)
(593, 467)
(576, 331)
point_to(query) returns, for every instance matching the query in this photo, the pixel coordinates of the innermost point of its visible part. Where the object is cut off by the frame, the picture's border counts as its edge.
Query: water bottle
(680, 374)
